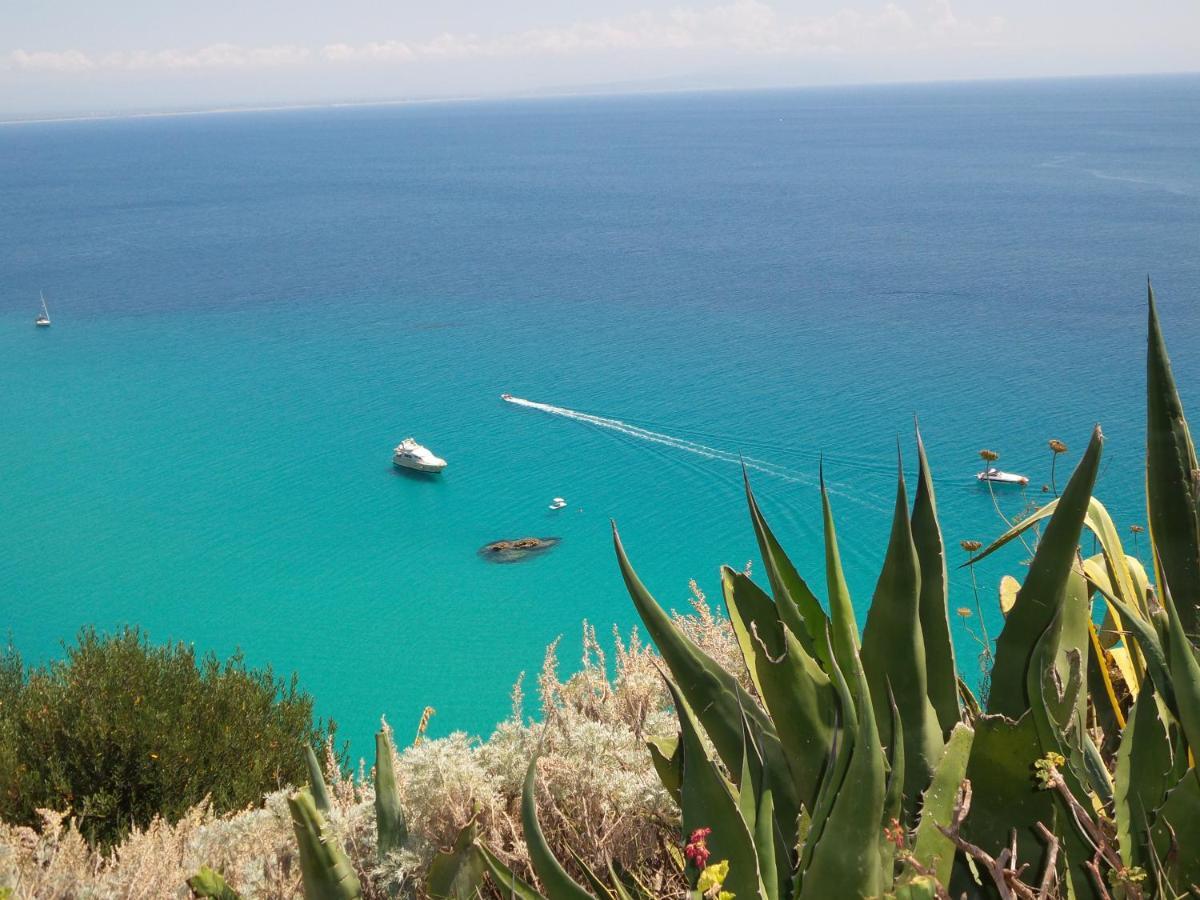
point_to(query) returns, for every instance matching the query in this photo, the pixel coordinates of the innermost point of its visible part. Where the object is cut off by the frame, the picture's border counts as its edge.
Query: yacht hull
(417, 466)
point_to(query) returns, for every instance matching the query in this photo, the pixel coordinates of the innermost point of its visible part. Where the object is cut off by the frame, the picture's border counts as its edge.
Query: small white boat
(558, 503)
(411, 455)
(506, 397)
(43, 319)
(994, 474)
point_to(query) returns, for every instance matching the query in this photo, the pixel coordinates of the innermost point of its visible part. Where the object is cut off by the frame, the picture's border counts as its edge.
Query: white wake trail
(666, 440)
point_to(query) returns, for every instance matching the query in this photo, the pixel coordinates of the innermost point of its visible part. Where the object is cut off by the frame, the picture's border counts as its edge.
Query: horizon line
(550, 94)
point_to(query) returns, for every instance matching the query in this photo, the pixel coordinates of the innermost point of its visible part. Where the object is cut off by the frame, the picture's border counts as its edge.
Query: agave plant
(867, 768)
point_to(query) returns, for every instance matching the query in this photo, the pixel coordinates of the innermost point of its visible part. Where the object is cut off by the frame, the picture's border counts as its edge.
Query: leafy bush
(121, 731)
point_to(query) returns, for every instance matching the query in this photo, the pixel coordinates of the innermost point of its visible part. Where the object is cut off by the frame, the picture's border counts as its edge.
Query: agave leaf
(893, 799)
(798, 606)
(932, 849)
(1176, 833)
(1151, 648)
(668, 762)
(1043, 593)
(893, 654)
(796, 692)
(457, 873)
(324, 868)
(1143, 763)
(717, 697)
(509, 883)
(1096, 571)
(843, 625)
(554, 878)
(594, 881)
(390, 826)
(845, 858)
(921, 887)
(210, 884)
(1005, 797)
(1060, 723)
(845, 729)
(765, 840)
(316, 780)
(709, 801)
(628, 886)
(1185, 674)
(940, 666)
(1109, 714)
(1171, 480)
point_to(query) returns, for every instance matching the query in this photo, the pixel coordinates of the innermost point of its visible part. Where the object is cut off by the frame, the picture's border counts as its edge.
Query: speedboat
(506, 396)
(993, 474)
(411, 455)
(558, 503)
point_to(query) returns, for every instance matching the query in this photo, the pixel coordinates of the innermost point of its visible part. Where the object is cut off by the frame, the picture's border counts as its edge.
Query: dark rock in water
(516, 550)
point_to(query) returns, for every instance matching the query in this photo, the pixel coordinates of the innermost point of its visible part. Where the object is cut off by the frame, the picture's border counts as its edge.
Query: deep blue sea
(251, 309)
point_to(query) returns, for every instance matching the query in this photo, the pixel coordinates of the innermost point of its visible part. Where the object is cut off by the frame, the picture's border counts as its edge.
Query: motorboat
(411, 455)
(995, 475)
(43, 319)
(506, 397)
(558, 503)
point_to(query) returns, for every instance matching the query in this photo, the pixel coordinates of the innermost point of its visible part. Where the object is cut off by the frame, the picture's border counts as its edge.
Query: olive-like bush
(120, 731)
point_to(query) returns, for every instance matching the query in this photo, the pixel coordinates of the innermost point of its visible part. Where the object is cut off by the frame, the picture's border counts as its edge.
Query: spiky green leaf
(932, 849)
(893, 654)
(557, 884)
(798, 605)
(324, 868)
(845, 860)
(1043, 593)
(457, 873)
(1172, 480)
(719, 700)
(842, 624)
(940, 666)
(1143, 764)
(390, 826)
(316, 780)
(793, 687)
(710, 801)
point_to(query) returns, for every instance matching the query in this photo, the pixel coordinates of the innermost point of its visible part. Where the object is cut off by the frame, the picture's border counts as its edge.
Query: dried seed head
(989, 455)
(1057, 446)
(970, 546)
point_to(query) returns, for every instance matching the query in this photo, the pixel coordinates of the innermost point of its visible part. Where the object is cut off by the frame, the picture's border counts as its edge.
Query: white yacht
(43, 319)
(558, 503)
(994, 474)
(411, 455)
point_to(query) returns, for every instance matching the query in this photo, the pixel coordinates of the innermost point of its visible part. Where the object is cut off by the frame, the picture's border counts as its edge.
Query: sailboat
(43, 319)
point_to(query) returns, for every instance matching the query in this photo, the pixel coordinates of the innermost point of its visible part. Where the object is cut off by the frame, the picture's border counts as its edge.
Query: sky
(80, 57)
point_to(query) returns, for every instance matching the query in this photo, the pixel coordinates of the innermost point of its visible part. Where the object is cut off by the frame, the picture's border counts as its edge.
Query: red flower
(696, 849)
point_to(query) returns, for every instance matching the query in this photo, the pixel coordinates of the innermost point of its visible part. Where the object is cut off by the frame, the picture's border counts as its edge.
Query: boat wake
(677, 443)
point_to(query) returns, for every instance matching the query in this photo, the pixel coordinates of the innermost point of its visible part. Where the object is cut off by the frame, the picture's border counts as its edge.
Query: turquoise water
(251, 310)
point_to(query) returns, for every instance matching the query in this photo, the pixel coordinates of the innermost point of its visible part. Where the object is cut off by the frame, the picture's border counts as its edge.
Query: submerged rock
(516, 550)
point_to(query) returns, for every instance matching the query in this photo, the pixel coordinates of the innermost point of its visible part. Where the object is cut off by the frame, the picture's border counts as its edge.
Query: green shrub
(121, 731)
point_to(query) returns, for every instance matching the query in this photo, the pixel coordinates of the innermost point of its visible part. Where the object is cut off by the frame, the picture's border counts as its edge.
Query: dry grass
(598, 794)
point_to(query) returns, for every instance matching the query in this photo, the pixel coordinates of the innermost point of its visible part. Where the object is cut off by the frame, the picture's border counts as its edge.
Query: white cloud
(214, 56)
(749, 27)
(51, 61)
(744, 26)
